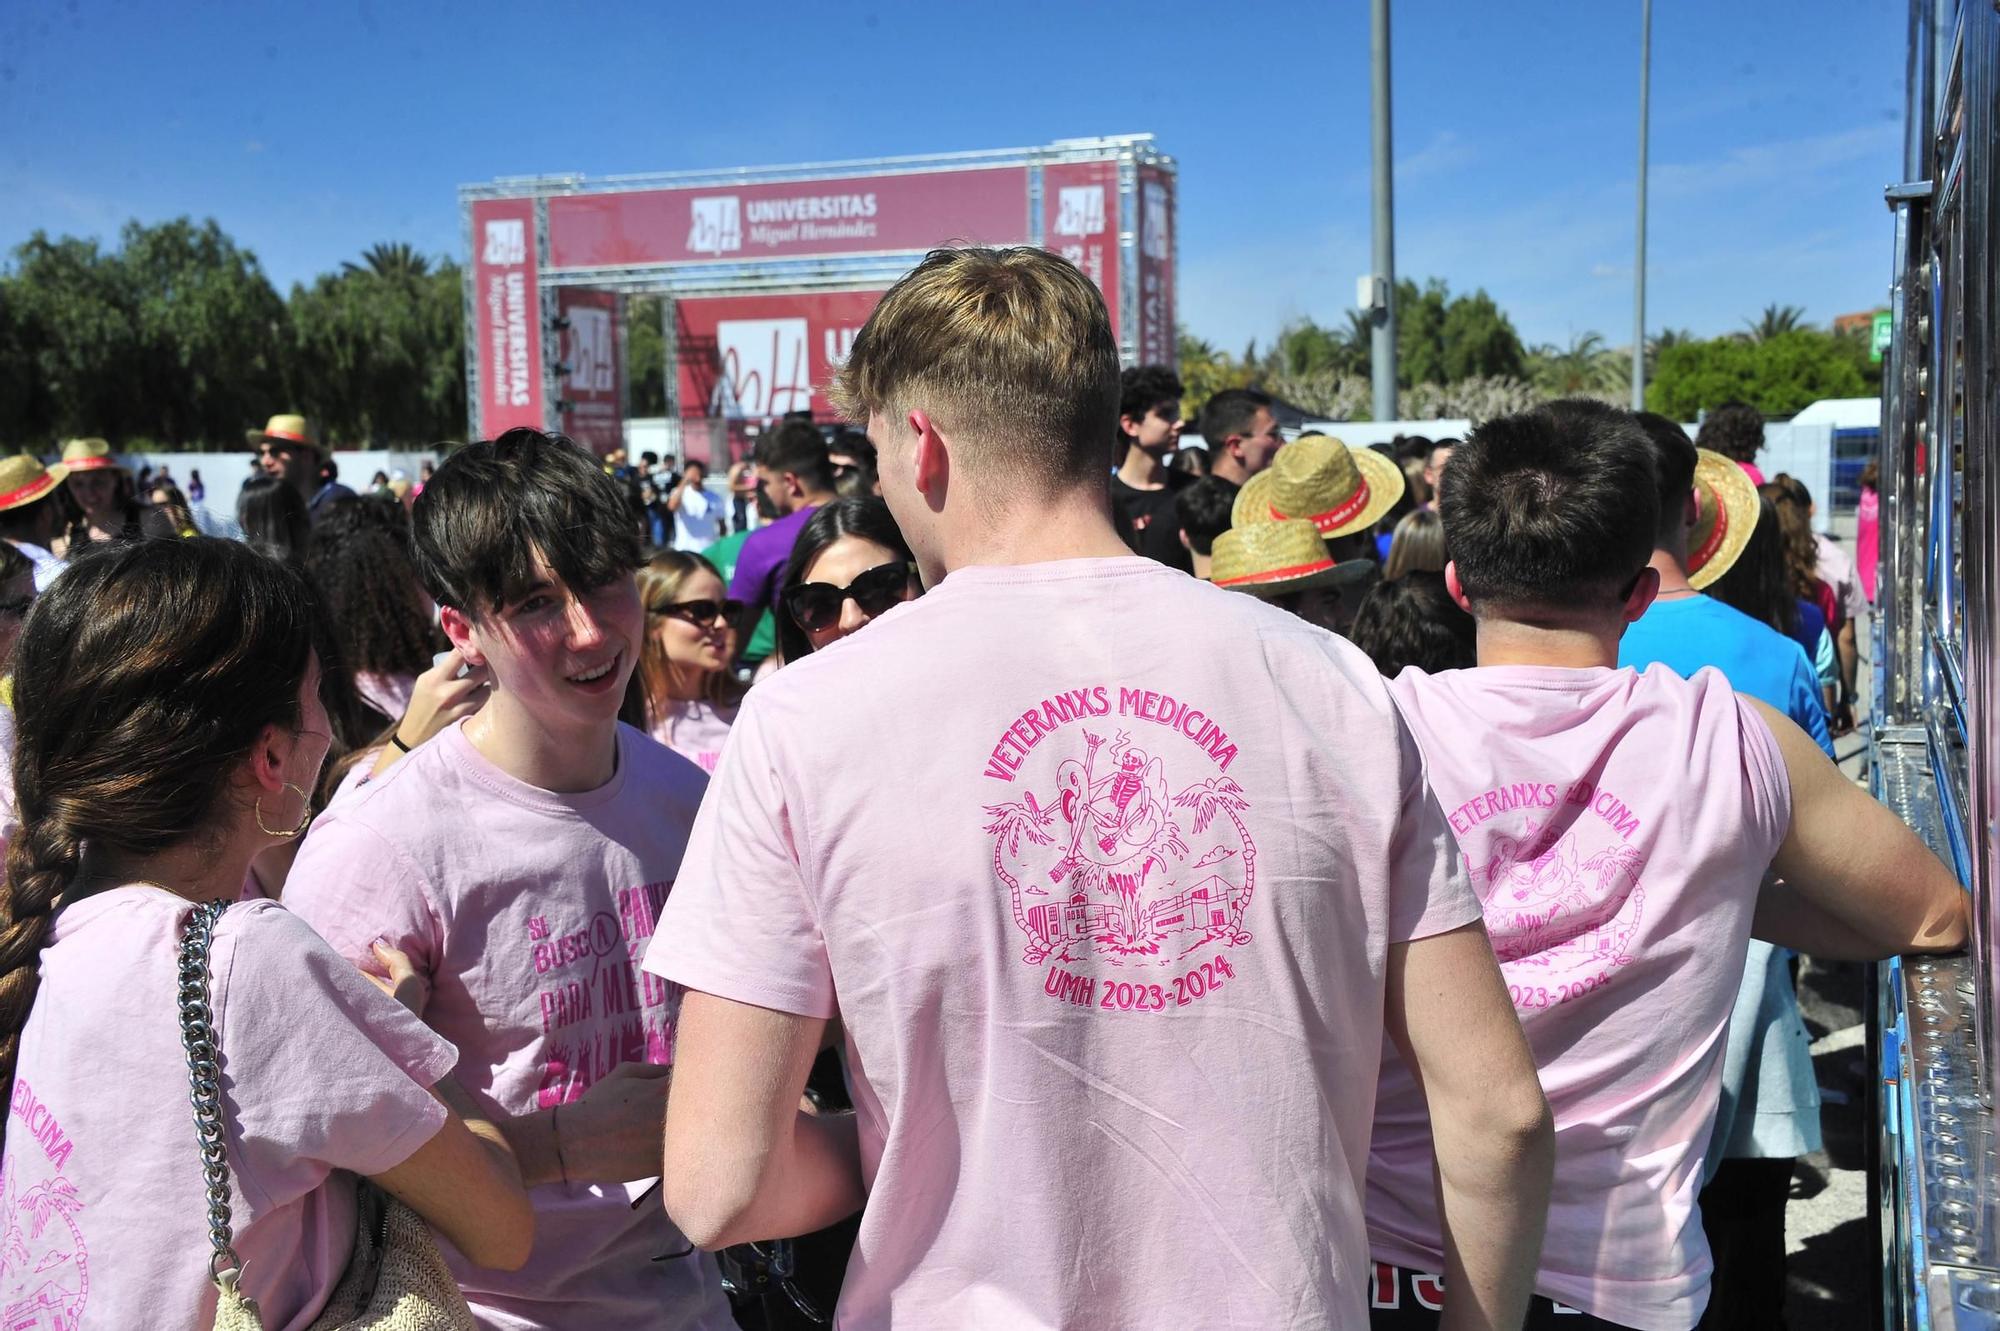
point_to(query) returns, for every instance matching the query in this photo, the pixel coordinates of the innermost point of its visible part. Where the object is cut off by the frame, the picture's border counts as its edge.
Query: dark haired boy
(1201, 511)
(1144, 486)
(1617, 827)
(519, 859)
(794, 476)
(1241, 433)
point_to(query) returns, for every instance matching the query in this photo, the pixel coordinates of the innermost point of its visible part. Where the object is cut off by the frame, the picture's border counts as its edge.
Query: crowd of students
(1072, 881)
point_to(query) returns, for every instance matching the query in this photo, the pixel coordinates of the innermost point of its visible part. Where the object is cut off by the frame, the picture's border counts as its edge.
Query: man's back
(1100, 866)
(1619, 907)
(1688, 633)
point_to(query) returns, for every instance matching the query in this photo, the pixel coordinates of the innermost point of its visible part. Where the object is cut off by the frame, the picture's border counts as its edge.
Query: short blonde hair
(1008, 349)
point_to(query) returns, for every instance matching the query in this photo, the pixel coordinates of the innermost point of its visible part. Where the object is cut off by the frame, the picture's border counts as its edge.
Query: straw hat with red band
(89, 455)
(1340, 490)
(1725, 514)
(1271, 558)
(23, 480)
(294, 430)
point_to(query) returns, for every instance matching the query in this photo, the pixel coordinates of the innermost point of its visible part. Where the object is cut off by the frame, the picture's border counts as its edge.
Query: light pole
(1639, 264)
(1382, 349)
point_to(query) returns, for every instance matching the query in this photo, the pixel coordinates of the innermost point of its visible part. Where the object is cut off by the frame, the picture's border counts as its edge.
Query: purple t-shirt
(763, 557)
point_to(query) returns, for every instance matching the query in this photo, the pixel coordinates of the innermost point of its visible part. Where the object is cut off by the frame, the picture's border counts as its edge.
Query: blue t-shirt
(1689, 632)
(1769, 1101)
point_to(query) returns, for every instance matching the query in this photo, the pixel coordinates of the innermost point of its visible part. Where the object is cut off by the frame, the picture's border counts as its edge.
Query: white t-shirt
(1099, 866)
(697, 523)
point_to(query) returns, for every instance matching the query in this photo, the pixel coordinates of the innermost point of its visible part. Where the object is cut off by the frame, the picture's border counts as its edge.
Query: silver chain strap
(205, 1077)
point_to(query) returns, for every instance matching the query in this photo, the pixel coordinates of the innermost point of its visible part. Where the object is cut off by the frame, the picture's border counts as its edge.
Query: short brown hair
(1010, 349)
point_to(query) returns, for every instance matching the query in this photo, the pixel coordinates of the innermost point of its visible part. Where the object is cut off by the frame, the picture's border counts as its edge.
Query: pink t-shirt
(696, 731)
(527, 910)
(101, 1194)
(1100, 866)
(1616, 826)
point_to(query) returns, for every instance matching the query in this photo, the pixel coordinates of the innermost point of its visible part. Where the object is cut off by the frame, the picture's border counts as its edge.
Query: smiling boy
(520, 859)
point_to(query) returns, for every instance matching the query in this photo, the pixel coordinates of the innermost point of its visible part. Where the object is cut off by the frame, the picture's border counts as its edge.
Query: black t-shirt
(1149, 522)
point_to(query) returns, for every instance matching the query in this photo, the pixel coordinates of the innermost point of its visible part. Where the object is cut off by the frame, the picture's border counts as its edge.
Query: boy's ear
(457, 627)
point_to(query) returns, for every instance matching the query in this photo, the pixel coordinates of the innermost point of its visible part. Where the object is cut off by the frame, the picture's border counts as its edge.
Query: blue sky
(311, 132)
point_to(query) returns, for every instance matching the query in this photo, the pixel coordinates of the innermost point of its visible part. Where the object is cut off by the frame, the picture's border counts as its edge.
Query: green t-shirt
(764, 638)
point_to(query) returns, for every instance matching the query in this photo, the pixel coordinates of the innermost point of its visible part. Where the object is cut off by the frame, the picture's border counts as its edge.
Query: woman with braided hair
(170, 729)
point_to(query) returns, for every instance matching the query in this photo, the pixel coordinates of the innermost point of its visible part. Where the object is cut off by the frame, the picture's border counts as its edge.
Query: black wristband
(397, 740)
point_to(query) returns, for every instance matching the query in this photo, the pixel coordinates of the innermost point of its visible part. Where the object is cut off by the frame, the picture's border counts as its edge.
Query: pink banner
(1080, 222)
(1156, 342)
(593, 388)
(507, 317)
(739, 223)
(758, 357)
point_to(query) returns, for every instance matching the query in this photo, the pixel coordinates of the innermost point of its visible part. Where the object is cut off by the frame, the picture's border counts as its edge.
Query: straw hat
(89, 455)
(23, 480)
(1342, 490)
(1725, 515)
(287, 429)
(1269, 558)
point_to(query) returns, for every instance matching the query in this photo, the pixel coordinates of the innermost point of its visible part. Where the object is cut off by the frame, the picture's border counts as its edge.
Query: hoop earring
(305, 817)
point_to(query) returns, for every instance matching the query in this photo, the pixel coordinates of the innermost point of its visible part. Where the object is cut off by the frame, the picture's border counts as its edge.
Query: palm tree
(1776, 320)
(1586, 367)
(1010, 823)
(1221, 795)
(397, 259)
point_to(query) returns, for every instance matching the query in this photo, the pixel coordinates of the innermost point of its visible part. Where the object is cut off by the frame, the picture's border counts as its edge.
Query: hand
(441, 698)
(399, 979)
(1843, 720)
(612, 1134)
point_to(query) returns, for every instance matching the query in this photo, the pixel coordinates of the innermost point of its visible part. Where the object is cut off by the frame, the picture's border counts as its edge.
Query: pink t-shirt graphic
(1616, 827)
(1100, 866)
(102, 1203)
(529, 911)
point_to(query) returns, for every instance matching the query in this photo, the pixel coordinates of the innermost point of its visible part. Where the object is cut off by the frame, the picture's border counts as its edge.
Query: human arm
(440, 698)
(1856, 884)
(1450, 1017)
(741, 1160)
(1849, 663)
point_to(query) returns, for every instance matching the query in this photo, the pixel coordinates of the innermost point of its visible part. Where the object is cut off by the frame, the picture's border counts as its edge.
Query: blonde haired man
(1114, 879)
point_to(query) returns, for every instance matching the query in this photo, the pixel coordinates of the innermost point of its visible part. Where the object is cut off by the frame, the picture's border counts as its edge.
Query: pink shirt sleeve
(1429, 892)
(740, 923)
(355, 1095)
(353, 886)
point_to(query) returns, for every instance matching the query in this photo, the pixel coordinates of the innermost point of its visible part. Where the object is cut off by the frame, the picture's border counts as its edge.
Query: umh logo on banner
(507, 318)
(752, 358)
(1080, 211)
(1077, 224)
(761, 369)
(715, 225)
(594, 400)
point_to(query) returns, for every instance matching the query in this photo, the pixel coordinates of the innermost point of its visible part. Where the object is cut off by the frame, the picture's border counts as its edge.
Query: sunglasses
(704, 611)
(816, 605)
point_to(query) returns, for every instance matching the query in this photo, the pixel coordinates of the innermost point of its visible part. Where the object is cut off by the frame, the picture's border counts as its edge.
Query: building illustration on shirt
(1107, 860)
(1549, 910)
(44, 1266)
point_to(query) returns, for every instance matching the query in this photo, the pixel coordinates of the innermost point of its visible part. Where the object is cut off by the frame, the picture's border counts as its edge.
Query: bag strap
(205, 1081)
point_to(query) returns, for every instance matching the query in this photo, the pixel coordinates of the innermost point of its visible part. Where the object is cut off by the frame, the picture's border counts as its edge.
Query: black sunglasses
(816, 605)
(704, 611)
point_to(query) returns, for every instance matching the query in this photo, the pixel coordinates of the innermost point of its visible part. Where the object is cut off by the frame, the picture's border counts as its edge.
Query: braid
(41, 861)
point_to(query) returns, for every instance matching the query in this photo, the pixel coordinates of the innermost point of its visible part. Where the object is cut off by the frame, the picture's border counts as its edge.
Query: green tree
(1480, 341)
(1205, 371)
(645, 356)
(1779, 376)
(1776, 321)
(390, 259)
(1420, 320)
(1584, 368)
(379, 357)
